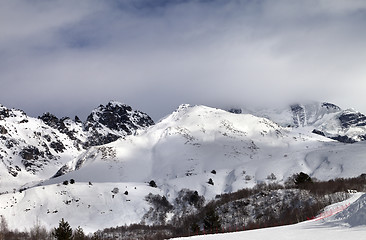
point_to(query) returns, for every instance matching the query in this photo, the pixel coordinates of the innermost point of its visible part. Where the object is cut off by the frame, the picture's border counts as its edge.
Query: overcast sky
(67, 57)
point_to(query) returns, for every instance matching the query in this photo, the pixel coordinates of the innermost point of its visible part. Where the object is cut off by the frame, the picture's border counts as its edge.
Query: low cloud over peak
(68, 57)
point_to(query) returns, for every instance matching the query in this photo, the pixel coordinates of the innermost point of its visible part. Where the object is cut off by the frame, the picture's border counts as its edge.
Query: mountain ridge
(40, 146)
(326, 119)
(205, 150)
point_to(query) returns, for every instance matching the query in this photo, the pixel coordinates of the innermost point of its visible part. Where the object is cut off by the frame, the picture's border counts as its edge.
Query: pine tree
(79, 234)
(63, 232)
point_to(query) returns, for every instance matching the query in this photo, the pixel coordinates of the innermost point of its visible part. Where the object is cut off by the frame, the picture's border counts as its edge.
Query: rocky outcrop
(352, 119)
(108, 123)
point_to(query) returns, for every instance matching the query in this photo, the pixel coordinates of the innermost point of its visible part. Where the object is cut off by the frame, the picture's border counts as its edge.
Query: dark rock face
(59, 124)
(298, 115)
(318, 132)
(63, 170)
(33, 158)
(14, 170)
(344, 139)
(117, 117)
(330, 106)
(31, 152)
(4, 112)
(98, 139)
(349, 119)
(3, 130)
(235, 110)
(57, 146)
(77, 119)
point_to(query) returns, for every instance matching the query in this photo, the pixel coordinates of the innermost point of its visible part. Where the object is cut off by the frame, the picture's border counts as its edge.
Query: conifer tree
(79, 234)
(63, 232)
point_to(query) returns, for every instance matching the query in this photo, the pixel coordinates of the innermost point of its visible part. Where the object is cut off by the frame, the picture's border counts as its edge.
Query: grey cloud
(68, 58)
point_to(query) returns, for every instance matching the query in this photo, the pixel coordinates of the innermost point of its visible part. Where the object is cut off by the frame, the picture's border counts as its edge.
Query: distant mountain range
(208, 150)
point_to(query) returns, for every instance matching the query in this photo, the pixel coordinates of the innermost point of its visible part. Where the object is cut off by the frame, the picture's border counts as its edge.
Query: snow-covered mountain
(203, 149)
(33, 149)
(325, 119)
(194, 141)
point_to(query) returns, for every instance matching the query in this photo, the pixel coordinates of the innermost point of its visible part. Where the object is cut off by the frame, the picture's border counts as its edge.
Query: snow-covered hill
(203, 149)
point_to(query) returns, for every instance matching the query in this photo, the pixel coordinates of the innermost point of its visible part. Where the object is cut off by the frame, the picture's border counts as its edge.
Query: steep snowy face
(108, 123)
(310, 114)
(30, 149)
(325, 119)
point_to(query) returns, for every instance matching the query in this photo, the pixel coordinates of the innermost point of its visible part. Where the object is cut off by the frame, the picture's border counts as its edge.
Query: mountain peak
(331, 106)
(114, 104)
(113, 121)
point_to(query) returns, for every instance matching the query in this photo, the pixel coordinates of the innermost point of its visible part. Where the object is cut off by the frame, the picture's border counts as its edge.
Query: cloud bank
(68, 57)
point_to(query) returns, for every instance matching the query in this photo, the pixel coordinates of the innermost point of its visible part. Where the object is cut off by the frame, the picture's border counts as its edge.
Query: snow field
(90, 206)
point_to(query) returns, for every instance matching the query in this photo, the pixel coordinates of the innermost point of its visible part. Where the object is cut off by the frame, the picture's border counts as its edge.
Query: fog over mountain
(155, 55)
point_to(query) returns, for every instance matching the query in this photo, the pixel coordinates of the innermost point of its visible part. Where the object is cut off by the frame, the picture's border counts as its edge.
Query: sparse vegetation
(264, 205)
(302, 178)
(115, 190)
(210, 181)
(272, 177)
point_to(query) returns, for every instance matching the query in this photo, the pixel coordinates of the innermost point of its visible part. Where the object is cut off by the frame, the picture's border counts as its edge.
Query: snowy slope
(30, 150)
(92, 206)
(34, 149)
(322, 118)
(184, 150)
(347, 224)
(186, 146)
